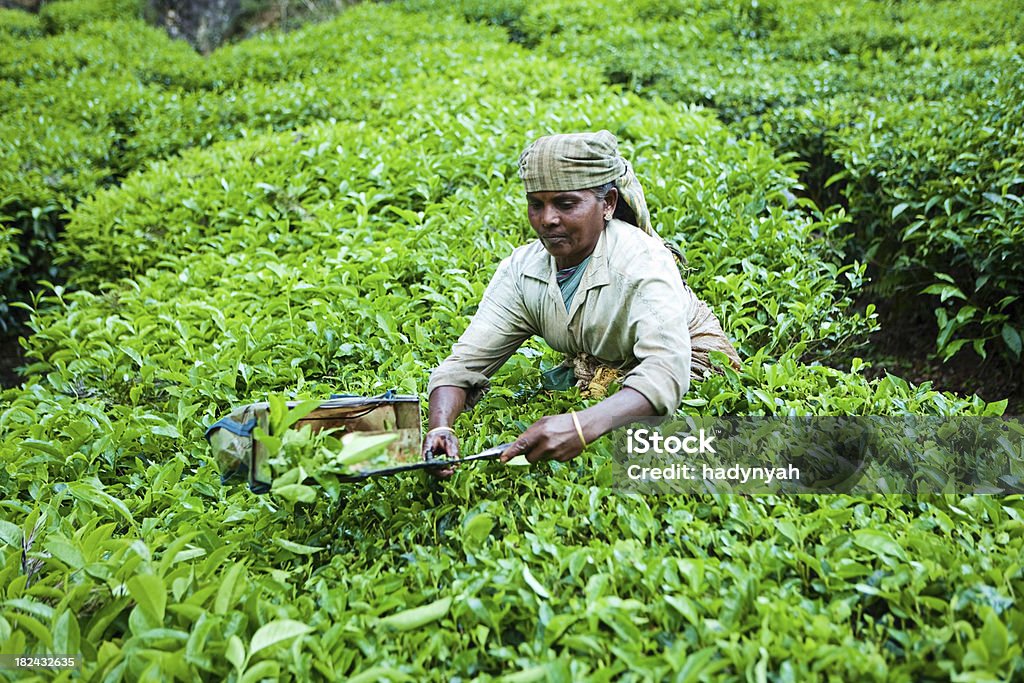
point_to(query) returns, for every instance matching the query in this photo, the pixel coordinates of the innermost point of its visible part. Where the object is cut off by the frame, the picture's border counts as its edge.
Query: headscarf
(580, 161)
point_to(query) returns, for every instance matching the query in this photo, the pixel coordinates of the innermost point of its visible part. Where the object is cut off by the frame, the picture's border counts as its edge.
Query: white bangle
(437, 430)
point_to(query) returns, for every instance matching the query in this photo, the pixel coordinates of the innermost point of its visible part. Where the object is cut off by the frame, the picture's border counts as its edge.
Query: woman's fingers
(441, 445)
(444, 443)
(520, 446)
(451, 445)
(566, 456)
(549, 438)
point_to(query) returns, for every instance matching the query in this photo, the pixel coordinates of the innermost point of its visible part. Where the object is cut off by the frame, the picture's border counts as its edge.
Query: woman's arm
(446, 402)
(501, 324)
(555, 437)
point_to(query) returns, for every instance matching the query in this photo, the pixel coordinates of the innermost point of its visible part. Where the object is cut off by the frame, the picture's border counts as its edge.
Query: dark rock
(27, 5)
(205, 24)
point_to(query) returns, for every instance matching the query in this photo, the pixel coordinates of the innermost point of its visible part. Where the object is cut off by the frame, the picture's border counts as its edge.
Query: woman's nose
(549, 216)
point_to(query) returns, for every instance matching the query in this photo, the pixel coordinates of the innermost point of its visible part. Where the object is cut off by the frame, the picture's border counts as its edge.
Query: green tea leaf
(477, 528)
(378, 673)
(879, 543)
(297, 493)
(417, 617)
(149, 594)
(276, 632)
(10, 534)
(531, 675)
(1013, 341)
(297, 548)
(66, 634)
(228, 588)
(300, 411)
(361, 447)
(535, 584)
(235, 652)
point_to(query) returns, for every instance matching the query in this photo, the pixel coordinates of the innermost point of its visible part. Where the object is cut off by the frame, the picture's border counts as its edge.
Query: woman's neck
(572, 261)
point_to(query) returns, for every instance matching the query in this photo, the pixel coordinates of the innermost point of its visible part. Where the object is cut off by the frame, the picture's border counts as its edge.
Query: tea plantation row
(347, 254)
(909, 114)
(103, 94)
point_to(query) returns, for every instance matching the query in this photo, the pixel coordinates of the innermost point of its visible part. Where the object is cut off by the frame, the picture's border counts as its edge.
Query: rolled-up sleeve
(498, 328)
(658, 315)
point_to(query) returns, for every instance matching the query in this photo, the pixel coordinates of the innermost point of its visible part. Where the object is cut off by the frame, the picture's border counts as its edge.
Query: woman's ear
(611, 200)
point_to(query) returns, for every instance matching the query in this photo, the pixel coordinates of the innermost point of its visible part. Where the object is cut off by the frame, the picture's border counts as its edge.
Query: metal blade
(489, 454)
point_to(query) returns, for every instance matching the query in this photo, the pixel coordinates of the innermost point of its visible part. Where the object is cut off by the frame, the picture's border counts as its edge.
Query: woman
(598, 285)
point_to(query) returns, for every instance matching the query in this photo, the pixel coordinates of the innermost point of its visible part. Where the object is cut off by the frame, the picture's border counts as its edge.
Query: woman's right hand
(442, 443)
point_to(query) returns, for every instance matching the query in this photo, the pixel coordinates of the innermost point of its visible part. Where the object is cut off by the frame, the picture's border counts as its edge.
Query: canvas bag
(241, 457)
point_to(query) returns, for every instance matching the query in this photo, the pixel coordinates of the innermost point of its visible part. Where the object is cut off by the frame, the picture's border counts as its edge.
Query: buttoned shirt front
(631, 312)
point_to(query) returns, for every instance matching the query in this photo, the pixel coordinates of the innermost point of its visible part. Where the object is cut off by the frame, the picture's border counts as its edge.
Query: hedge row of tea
(348, 255)
(907, 113)
(101, 95)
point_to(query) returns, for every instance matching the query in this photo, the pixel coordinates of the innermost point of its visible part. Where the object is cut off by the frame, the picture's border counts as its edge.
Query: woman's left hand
(549, 438)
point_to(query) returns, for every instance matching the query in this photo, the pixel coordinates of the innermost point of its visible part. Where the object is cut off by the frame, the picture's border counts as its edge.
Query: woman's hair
(623, 212)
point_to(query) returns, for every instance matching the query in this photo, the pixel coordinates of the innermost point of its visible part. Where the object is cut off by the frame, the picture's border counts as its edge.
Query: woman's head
(575, 162)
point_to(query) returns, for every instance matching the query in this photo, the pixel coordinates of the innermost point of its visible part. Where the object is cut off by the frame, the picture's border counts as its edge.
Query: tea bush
(76, 143)
(347, 254)
(68, 15)
(18, 23)
(946, 212)
(772, 270)
(142, 97)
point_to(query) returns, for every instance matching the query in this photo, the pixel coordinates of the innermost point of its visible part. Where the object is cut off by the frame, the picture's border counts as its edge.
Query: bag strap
(232, 426)
(386, 396)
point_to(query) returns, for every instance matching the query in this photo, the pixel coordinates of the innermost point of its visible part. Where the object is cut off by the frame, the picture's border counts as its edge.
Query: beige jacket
(631, 311)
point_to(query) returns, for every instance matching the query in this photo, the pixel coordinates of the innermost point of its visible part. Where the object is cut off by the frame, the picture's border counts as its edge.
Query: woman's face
(569, 223)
